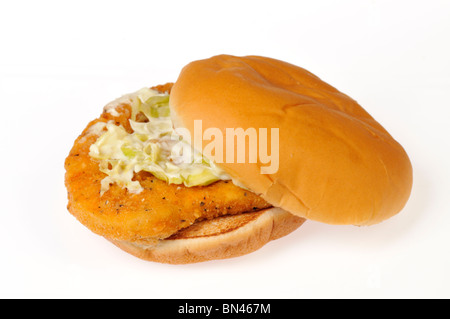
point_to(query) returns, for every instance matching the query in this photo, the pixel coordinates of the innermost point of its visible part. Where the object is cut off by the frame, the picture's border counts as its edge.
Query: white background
(62, 61)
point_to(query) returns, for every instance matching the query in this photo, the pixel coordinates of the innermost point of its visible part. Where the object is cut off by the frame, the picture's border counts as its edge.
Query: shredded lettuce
(153, 146)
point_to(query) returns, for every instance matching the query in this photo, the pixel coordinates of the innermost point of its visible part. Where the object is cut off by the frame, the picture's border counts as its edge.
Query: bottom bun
(219, 238)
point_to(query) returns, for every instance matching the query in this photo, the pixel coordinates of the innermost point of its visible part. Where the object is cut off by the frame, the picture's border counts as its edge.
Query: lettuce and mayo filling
(154, 147)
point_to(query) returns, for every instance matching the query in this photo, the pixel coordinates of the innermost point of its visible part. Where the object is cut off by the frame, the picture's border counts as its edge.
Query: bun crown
(337, 165)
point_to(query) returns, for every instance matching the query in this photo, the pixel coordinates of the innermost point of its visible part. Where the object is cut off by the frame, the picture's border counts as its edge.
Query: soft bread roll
(337, 165)
(218, 238)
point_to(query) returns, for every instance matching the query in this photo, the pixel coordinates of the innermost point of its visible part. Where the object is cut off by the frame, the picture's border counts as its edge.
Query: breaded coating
(157, 212)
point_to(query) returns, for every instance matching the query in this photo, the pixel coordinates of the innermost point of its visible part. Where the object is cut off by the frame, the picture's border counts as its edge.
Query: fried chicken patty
(157, 212)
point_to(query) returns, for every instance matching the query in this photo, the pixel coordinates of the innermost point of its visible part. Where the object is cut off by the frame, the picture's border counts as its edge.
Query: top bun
(337, 165)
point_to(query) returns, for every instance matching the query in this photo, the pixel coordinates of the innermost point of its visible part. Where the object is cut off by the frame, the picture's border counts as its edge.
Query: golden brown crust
(337, 164)
(158, 211)
(223, 237)
(216, 226)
